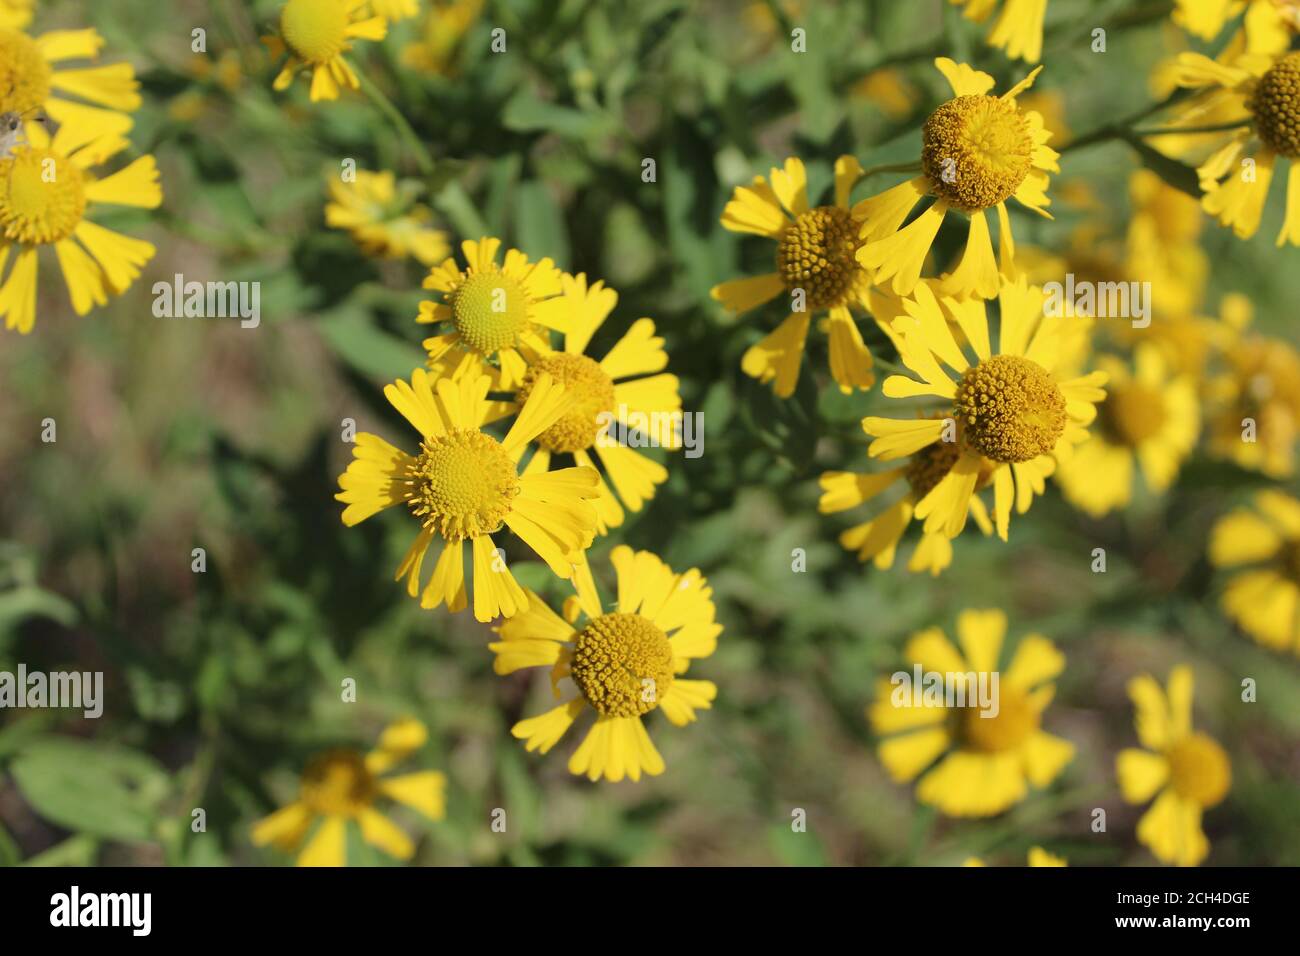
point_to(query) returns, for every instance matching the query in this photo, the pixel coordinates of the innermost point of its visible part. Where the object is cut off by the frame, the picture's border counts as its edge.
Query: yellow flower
(1254, 417)
(1018, 30)
(977, 152)
(1014, 410)
(1266, 28)
(394, 10)
(877, 540)
(316, 34)
(35, 78)
(496, 311)
(383, 220)
(981, 765)
(622, 664)
(464, 485)
(1263, 598)
(441, 32)
(1265, 95)
(890, 91)
(619, 388)
(341, 787)
(1189, 770)
(815, 267)
(16, 14)
(1037, 857)
(46, 191)
(1149, 416)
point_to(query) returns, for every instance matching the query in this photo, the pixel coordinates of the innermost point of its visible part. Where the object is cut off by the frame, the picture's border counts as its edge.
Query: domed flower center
(1015, 720)
(24, 74)
(594, 393)
(42, 197)
(1199, 770)
(337, 783)
(929, 466)
(976, 151)
(816, 254)
(623, 665)
(1275, 104)
(1011, 408)
(461, 484)
(316, 30)
(489, 310)
(1132, 413)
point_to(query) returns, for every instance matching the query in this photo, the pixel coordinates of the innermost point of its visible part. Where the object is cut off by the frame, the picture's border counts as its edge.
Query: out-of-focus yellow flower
(16, 14)
(383, 219)
(1189, 771)
(341, 787)
(315, 34)
(1037, 857)
(890, 91)
(1018, 30)
(394, 10)
(441, 32)
(972, 761)
(1267, 26)
(1263, 596)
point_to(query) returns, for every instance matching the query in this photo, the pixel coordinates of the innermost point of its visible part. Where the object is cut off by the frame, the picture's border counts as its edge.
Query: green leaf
(796, 849)
(539, 226)
(368, 349)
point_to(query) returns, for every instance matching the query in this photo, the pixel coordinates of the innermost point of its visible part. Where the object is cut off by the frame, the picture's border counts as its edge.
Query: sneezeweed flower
(39, 75)
(977, 152)
(464, 485)
(622, 664)
(340, 788)
(815, 268)
(47, 191)
(1150, 417)
(890, 91)
(498, 313)
(1189, 770)
(1265, 94)
(441, 32)
(1037, 857)
(315, 34)
(394, 10)
(620, 388)
(1016, 412)
(1263, 544)
(16, 14)
(971, 765)
(1018, 30)
(383, 218)
(1267, 26)
(877, 540)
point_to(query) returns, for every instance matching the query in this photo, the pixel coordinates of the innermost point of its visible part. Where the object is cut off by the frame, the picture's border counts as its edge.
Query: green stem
(1171, 130)
(1121, 128)
(422, 157)
(914, 167)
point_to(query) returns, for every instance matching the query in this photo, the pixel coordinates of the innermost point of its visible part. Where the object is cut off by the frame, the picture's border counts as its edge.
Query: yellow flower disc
(623, 665)
(42, 197)
(976, 151)
(24, 74)
(1132, 413)
(594, 392)
(489, 310)
(1011, 408)
(1199, 770)
(462, 484)
(337, 783)
(816, 253)
(316, 30)
(1276, 106)
(1016, 719)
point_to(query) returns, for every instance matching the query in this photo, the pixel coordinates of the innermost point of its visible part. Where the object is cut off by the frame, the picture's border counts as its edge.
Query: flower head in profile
(628, 388)
(621, 664)
(1018, 29)
(45, 75)
(48, 189)
(977, 152)
(815, 270)
(498, 313)
(1016, 407)
(383, 218)
(315, 34)
(1264, 95)
(464, 485)
(877, 539)
(1187, 772)
(1263, 545)
(340, 788)
(1037, 857)
(1149, 419)
(972, 761)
